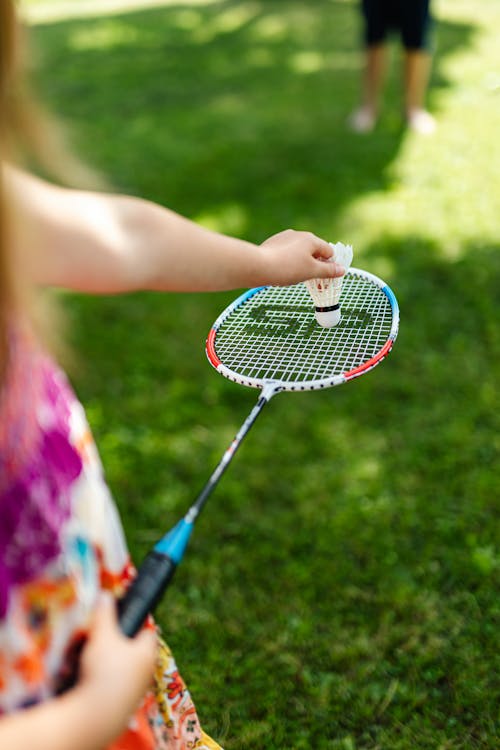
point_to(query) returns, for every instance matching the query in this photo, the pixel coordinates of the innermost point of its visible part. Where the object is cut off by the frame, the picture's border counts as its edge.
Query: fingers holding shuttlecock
(325, 293)
(342, 254)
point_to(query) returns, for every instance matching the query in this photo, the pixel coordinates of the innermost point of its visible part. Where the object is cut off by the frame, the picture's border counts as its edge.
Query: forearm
(168, 252)
(104, 243)
(66, 723)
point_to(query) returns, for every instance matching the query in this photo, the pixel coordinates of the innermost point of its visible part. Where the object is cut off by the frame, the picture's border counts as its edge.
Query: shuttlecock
(325, 293)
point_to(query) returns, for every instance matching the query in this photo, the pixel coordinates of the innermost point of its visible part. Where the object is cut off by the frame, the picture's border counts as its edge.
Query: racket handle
(145, 592)
(140, 599)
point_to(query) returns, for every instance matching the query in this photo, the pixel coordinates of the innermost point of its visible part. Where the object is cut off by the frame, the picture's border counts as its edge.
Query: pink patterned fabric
(61, 543)
(38, 466)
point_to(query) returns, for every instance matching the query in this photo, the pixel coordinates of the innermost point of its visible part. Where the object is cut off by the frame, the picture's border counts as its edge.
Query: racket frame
(270, 387)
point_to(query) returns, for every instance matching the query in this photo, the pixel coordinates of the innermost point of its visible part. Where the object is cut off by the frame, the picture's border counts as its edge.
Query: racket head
(268, 338)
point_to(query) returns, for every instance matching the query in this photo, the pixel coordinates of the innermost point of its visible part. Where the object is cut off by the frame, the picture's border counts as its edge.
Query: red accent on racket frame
(371, 362)
(214, 359)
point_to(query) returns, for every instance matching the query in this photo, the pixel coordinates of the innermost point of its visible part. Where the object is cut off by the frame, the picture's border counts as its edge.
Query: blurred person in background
(411, 19)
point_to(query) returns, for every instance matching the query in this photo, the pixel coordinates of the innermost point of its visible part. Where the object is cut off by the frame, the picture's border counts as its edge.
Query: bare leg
(417, 67)
(363, 119)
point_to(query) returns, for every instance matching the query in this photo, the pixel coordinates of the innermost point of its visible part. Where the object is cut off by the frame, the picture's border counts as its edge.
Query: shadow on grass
(375, 535)
(351, 563)
(231, 112)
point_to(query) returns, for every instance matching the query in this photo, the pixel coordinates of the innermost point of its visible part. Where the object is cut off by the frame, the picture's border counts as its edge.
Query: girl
(61, 543)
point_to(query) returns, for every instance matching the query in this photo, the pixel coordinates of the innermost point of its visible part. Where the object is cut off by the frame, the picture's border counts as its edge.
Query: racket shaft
(158, 568)
(145, 591)
(227, 457)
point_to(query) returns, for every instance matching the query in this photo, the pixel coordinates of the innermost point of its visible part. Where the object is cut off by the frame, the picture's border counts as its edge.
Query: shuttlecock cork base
(328, 316)
(325, 293)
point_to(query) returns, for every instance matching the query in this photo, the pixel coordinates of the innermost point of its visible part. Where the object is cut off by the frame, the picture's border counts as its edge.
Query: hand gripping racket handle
(159, 566)
(145, 592)
(140, 599)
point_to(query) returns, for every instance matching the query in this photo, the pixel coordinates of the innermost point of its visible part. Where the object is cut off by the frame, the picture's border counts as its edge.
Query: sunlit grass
(454, 174)
(47, 11)
(341, 591)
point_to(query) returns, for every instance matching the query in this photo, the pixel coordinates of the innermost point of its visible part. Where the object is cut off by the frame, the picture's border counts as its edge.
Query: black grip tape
(144, 592)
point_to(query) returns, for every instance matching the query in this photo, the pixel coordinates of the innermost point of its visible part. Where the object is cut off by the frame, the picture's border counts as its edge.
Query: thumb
(329, 269)
(146, 650)
(146, 639)
(105, 616)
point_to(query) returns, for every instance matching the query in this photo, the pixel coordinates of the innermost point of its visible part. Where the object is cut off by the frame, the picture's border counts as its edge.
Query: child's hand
(115, 671)
(294, 256)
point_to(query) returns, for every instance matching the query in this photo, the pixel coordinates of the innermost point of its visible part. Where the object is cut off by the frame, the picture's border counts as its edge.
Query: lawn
(341, 591)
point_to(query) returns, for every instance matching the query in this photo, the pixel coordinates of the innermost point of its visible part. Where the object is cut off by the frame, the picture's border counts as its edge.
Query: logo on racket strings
(282, 320)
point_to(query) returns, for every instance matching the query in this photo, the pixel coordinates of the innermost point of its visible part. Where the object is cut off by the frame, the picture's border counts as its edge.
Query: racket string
(273, 335)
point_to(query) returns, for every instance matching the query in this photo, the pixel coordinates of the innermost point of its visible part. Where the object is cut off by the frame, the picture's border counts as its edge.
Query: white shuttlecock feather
(325, 293)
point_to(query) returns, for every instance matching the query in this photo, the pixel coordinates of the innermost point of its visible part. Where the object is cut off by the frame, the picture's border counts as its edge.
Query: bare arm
(60, 724)
(104, 243)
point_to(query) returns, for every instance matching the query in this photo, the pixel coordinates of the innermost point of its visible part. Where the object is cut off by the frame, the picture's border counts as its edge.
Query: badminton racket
(268, 339)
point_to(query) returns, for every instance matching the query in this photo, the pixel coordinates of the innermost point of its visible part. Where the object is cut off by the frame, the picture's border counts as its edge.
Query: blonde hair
(8, 73)
(28, 135)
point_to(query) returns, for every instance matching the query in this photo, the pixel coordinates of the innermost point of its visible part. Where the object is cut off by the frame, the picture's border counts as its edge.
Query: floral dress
(61, 543)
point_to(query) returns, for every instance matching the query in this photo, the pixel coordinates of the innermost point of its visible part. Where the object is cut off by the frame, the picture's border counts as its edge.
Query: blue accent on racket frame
(395, 310)
(391, 297)
(248, 294)
(237, 302)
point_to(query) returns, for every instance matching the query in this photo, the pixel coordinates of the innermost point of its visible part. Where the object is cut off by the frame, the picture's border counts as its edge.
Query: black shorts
(411, 18)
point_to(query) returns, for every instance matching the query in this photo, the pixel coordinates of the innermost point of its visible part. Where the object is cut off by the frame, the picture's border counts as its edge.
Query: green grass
(341, 590)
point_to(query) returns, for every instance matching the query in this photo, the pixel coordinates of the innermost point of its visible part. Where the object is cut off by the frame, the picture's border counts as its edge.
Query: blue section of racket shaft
(158, 568)
(153, 577)
(175, 541)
